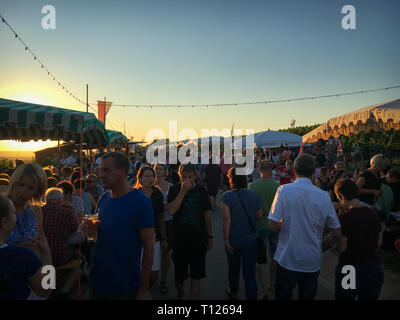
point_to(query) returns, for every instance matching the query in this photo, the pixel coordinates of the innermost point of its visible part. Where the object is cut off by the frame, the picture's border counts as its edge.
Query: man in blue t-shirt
(126, 226)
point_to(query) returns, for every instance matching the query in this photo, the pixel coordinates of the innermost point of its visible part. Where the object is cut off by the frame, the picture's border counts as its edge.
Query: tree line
(373, 142)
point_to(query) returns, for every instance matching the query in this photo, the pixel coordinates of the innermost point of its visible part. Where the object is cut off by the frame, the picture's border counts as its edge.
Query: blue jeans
(286, 280)
(248, 258)
(369, 281)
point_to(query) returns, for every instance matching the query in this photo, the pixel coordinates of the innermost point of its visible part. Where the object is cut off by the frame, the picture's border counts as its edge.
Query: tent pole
(105, 103)
(79, 245)
(58, 157)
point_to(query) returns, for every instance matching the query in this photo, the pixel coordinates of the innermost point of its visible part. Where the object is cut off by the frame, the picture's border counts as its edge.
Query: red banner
(103, 108)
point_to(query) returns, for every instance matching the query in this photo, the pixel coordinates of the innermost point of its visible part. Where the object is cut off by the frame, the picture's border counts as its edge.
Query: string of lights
(236, 104)
(233, 104)
(49, 73)
(41, 64)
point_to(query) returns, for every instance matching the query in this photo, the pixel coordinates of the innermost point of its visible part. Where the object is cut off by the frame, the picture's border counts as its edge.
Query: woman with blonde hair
(27, 185)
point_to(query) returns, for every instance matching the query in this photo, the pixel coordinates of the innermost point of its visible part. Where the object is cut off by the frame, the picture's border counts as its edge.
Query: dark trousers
(286, 280)
(247, 258)
(369, 281)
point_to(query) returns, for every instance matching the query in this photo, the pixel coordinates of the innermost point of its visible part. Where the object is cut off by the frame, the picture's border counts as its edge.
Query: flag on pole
(103, 108)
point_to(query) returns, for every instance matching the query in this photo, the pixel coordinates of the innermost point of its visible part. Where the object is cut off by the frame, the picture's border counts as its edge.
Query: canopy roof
(384, 116)
(27, 121)
(115, 137)
(271, 139)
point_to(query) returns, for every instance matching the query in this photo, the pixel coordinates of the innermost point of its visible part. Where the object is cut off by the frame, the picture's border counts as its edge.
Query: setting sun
(12, 145)
(33, 93)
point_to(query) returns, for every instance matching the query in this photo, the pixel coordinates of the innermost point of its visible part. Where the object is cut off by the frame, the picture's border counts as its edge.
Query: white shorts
(156, 258)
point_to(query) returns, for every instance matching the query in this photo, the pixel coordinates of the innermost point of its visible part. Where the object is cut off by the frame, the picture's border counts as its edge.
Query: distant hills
(26, 156)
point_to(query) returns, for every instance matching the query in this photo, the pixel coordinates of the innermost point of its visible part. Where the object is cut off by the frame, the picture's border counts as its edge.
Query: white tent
(270, 139)
(383, 116)
(208, 140)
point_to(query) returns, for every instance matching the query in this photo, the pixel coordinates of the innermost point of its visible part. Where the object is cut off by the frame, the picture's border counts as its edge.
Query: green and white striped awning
(27, 121)
(116, 138)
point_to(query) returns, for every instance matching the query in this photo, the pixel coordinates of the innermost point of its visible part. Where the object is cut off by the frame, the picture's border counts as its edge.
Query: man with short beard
(126, 226)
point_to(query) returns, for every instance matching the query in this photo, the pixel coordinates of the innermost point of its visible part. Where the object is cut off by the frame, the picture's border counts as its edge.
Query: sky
(170, 52)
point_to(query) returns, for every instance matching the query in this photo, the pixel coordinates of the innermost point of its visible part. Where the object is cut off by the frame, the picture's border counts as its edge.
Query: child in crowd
(20, 267)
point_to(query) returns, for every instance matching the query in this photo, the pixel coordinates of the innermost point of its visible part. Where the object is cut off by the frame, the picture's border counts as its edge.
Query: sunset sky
(168, 52)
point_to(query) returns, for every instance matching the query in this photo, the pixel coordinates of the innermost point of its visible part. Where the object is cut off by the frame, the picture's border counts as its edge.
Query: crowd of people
(288, 211)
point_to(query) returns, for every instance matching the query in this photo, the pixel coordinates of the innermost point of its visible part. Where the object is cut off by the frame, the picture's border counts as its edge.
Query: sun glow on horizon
(29, 146)
(26, 91)
(36, 93)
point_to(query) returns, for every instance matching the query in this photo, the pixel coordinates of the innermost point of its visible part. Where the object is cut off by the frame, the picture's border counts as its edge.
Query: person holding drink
(126, 226)
(91, 223)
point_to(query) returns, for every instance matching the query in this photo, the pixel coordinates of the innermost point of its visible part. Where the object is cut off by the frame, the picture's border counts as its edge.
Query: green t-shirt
(384, 204)
(266, 190)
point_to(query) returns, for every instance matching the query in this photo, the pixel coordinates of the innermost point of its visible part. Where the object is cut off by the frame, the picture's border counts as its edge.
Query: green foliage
(372, 142)
(301, 131)
(5, 164)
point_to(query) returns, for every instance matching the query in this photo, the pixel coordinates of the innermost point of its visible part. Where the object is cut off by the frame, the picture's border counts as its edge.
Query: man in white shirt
(300, 212)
